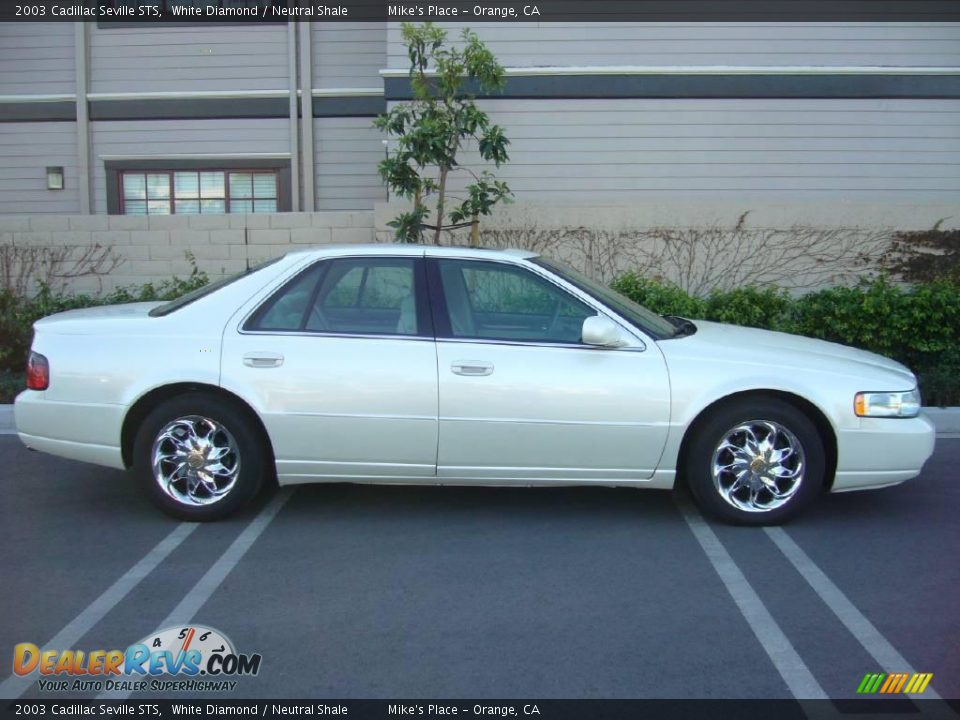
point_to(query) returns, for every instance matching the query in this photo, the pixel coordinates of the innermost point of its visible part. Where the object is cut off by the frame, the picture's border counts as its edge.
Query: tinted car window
(287, 309)
(346, 291)
(502, 302)
(366, 296)
(643, 318)
(348, 295)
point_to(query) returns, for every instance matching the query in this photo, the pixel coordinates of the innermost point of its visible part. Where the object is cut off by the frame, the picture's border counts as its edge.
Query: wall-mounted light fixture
(54, 178)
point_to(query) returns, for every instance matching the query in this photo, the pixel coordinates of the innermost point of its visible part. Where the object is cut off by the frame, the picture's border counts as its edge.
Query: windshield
(645, 319)
(193, 295)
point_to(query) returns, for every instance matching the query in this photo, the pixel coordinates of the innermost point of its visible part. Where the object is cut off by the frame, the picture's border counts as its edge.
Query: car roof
(413, 250)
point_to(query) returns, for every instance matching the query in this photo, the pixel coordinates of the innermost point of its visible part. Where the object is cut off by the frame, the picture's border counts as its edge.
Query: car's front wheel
(199, 458)
(755, 461)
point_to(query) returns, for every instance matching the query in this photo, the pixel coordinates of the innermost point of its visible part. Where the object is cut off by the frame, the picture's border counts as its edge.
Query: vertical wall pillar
(83, 117)
(294, 112)
(306, 113)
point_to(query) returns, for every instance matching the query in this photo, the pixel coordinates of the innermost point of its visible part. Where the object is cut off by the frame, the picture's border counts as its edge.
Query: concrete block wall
(153, 249)
(798, 245)
(703, 212)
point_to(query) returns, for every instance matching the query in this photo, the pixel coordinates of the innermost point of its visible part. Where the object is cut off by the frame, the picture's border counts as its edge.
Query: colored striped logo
(909, 683)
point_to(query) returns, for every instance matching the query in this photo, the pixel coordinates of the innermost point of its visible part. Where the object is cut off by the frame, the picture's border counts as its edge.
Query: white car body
(401, 409)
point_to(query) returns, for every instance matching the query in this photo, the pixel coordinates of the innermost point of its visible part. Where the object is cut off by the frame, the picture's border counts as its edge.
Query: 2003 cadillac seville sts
(413, 364)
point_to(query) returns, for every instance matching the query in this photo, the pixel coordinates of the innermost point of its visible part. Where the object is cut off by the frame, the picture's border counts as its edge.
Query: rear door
(341, 364)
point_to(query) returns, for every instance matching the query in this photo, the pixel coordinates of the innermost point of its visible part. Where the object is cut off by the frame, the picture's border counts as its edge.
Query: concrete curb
(6, 420)
(946, 420)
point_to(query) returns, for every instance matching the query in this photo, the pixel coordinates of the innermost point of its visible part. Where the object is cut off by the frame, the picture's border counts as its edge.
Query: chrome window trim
(421, 338)
(543, 344)
(320, 333)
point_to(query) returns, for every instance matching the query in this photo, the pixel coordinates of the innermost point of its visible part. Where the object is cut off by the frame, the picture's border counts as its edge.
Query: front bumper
(882, 452)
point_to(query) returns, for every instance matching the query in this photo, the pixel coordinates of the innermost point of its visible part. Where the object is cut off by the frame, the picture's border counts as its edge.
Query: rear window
(193, 295)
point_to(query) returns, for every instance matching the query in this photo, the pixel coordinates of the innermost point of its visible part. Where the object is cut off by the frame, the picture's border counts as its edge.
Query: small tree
(431, 130)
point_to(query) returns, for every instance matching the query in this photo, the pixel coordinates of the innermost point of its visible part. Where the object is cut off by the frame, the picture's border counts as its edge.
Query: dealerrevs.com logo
(200, 657)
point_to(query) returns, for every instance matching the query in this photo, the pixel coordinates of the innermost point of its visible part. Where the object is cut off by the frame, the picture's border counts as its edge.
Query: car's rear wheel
(199, 457)
(755, 461)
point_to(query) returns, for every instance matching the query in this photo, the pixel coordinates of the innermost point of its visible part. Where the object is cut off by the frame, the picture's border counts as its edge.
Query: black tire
(241, 434)
(714, 428)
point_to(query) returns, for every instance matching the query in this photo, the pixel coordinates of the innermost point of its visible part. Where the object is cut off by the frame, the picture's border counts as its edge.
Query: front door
(522, 398)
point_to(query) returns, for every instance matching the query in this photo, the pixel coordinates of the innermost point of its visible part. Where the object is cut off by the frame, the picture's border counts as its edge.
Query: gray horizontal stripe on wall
(348, 106)
(223, 108)
(713, 86)
(38, 111)
(189, 108)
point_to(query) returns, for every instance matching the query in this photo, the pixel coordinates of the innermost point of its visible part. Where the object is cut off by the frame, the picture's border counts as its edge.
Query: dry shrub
(715, 257)
(24, 268)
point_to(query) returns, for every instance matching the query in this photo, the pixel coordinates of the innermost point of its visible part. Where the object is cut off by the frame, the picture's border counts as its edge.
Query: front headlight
(888, 404)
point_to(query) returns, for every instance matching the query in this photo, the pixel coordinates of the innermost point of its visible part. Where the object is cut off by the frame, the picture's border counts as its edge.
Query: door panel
(341, 406)
(551, 412)
(342, 369)
(522, 399)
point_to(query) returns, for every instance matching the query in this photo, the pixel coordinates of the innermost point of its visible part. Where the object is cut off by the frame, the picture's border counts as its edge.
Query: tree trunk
(441, 194)
(475, 231)
(417, 201)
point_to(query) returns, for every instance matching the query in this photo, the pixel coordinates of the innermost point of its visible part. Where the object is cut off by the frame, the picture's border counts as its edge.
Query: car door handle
(476, 368)
(263, 359)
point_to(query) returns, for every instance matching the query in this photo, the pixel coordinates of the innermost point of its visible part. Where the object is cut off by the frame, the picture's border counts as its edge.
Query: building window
(193, 186)
(192, 192)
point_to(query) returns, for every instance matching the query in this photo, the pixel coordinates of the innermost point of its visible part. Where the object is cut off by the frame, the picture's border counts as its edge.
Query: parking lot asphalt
(352, 591)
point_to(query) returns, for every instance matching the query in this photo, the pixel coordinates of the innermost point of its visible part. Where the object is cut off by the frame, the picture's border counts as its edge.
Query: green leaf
(429, 131)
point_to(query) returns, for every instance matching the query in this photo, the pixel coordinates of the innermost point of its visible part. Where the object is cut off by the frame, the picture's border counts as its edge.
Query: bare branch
(24, 267)
(707, 258)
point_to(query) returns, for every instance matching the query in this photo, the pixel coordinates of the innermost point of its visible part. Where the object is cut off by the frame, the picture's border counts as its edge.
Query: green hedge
(919, 326)
(11, 383)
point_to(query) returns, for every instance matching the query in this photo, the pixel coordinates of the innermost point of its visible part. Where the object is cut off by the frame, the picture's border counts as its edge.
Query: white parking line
(795, 673)
(862, 629)
(188, 607)
(15, 685)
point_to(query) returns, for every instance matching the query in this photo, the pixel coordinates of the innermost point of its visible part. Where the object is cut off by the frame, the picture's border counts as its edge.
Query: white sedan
(438, 365)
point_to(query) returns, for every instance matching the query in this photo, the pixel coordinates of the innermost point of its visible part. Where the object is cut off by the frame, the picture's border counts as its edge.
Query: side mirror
(602, 331)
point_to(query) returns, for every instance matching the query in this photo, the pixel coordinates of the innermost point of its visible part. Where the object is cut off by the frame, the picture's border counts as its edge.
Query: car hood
(766, 347)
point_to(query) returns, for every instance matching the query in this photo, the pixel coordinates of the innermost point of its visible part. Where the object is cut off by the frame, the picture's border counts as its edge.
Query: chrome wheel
(195, 460)
(758, 466)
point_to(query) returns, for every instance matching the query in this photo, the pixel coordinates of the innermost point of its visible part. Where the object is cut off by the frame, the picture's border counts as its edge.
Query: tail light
(38, 372)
